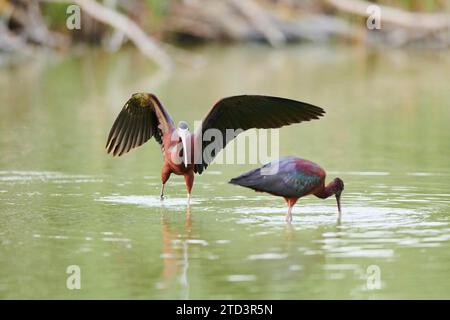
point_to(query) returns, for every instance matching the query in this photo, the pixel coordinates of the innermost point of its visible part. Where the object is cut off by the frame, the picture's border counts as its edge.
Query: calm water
(64, 202)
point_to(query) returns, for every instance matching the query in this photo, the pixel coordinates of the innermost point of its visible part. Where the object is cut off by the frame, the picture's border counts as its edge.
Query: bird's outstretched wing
(250, 111)
(142, 117)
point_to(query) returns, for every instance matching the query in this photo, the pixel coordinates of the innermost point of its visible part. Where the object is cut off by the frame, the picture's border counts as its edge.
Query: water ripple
(148, 201)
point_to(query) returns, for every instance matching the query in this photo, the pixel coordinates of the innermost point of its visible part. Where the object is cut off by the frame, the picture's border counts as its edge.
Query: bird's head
(338, 186)
(183, 133)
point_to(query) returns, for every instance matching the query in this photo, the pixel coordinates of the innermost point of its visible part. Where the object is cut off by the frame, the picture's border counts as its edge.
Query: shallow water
(64, 202)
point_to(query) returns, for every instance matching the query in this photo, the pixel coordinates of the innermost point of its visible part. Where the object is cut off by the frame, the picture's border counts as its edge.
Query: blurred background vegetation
(152, 24)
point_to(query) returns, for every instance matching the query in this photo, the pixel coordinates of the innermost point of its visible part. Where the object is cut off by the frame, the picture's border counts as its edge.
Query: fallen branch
(147, 45)
(411, 20)
(223, 20)
(260, 21)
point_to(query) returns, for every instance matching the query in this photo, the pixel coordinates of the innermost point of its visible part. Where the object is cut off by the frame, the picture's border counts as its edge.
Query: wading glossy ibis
(143, 117)
(291, 178)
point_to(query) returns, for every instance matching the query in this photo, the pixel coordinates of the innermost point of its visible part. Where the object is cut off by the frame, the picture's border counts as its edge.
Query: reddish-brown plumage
(172, 163)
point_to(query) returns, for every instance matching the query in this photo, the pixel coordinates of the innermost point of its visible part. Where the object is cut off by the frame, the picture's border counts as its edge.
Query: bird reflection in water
(175, 253)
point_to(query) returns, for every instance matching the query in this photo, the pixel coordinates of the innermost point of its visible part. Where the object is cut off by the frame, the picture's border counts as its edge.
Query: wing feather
(251, 111)
(137, 122)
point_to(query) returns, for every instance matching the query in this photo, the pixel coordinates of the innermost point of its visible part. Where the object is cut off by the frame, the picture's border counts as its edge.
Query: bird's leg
(162, 192)
(290, 202)
(165, 174)
(189, 199)
(289, 215)
(189, 179)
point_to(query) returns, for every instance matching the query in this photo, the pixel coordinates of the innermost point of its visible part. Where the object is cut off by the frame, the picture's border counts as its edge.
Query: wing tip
(200, 168)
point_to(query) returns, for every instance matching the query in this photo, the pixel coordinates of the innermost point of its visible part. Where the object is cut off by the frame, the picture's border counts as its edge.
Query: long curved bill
(183, 136)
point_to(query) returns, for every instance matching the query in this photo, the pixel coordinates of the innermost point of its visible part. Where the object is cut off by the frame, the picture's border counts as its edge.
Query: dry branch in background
(285, 21)
(33, 30)
(244, 20)
(261, 21)
(22, 25)
(400, 27)
(146, 44)
(398, 17)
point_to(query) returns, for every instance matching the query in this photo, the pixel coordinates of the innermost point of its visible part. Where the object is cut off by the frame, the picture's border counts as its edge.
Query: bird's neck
(326, 191)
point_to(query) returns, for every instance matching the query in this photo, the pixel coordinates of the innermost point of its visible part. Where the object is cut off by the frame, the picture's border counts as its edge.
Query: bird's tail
(250, 179)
